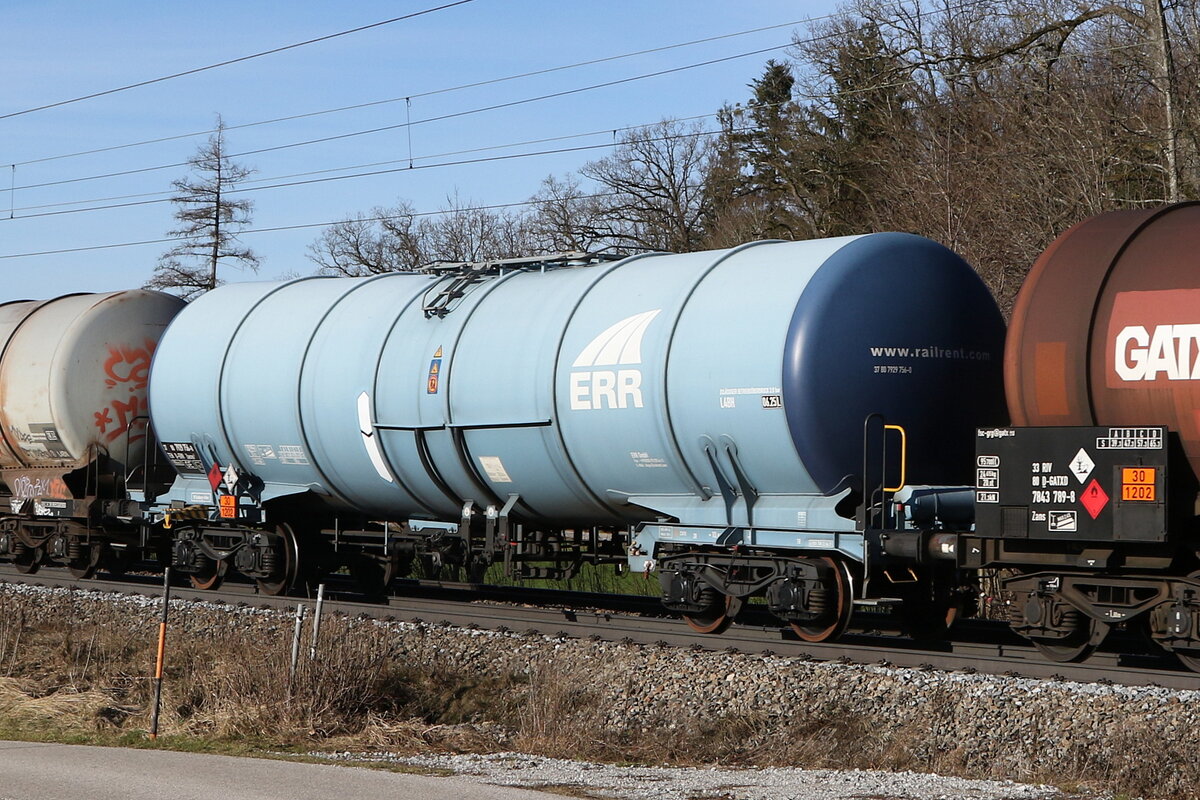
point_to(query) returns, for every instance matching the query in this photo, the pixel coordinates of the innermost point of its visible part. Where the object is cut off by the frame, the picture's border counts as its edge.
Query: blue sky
(51, 51)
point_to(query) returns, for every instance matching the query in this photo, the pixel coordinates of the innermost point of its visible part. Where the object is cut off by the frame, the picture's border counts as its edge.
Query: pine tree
(209, 219)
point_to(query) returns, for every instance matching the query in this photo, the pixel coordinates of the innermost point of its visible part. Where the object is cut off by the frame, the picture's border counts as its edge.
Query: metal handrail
(903, 457)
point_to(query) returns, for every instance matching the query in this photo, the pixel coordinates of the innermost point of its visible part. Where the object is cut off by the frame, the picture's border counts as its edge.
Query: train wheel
(85, 567)
(840, 606)
(1076, 647)
(287, 563)
(1189, 658)
(28, 561)
(716, 618)
(211, 576)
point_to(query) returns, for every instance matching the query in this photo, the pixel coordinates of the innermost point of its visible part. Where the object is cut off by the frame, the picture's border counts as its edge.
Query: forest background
(989, 127)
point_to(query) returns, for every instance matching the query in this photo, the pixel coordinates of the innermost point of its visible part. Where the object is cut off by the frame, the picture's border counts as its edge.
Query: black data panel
(1086, 484)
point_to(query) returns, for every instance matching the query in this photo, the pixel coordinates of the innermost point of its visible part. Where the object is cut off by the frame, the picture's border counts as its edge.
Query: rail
(990, 649)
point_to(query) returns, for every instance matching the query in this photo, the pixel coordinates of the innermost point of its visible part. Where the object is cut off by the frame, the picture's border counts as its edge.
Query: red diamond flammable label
(215, 476)
(1094, 498)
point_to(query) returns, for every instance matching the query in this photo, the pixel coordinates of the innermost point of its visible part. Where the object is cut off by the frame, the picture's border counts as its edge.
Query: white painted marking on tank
(619, 344)
(370, 440)
(606, 389)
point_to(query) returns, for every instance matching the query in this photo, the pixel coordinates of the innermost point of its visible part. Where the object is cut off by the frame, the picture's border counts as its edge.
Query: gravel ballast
(903, 721)
(687, 783)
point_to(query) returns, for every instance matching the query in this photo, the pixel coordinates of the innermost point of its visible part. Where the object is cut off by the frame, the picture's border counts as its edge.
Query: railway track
(979, 648)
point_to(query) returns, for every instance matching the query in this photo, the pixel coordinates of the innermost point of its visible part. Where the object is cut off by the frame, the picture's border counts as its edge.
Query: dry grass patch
(73, 668)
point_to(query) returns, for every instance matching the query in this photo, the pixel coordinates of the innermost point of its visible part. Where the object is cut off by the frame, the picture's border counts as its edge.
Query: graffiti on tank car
(21, 435)
(127, 368)
(117, 417)
(24, 486)
(130, 365)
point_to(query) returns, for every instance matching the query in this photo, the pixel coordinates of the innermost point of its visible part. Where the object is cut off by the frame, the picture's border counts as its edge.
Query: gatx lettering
(1167, 351)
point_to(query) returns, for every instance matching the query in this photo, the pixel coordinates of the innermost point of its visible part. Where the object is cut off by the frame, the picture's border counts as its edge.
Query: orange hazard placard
(1137, 483)
(228, 506)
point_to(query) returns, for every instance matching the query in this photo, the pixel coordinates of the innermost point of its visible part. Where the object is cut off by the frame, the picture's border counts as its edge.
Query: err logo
(618, 346)
(1153, 336)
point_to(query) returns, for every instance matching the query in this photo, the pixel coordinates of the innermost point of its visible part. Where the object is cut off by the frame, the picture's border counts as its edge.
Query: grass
(594, 578)
(76, 671)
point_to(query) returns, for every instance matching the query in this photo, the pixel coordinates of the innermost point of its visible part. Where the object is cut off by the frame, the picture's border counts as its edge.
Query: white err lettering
(1170, 352)
(604, 388)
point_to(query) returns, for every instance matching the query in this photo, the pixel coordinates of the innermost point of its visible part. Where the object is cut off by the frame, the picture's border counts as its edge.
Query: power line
(301, 226)
(807, 40)
(613, 131)
(966, 160)
(417, 95)
(468, 112)
(238, 60)
(373, 173)
(812, 39)
(389, 162)
(425, 121)
(545, 152)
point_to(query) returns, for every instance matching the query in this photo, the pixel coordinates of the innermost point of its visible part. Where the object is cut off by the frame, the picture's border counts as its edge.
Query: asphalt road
(30, 771)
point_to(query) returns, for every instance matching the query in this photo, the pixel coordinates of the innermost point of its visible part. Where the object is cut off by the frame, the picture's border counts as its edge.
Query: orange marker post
(162, 650)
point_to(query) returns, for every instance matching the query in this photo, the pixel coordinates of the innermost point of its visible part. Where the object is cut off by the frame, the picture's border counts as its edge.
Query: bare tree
(208, 222)
(463, 231)
(566, 217)
(386, 240)
(398, 239)
(651, 189)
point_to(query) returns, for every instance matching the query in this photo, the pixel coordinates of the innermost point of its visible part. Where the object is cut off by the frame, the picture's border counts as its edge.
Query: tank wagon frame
(544, 413)
(74, 432)
(1088, 505)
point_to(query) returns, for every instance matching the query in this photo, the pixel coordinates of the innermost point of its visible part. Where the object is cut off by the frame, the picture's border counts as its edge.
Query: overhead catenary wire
(491, 81)
(411, 159)
(237, 60)
(373, 173)
(415, 95)
(970, 160)
(524, 101)
(425, 121)
(964, 73)
(409, 97)
(307, 225)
